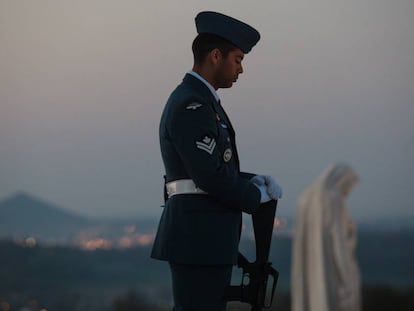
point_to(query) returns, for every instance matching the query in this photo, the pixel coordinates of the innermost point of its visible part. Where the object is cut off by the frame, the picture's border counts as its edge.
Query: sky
(83, 84)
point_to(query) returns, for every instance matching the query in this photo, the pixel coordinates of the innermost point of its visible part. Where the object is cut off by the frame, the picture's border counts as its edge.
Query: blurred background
(82, 87)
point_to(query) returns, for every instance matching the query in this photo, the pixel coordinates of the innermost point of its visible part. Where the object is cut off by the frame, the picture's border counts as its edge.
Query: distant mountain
(23, 215)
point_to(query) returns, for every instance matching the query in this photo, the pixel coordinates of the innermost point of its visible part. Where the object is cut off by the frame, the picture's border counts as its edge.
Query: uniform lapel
(232, 133)
(226, 118)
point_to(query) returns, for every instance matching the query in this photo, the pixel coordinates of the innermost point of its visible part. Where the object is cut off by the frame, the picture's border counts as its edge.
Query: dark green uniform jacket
(198, 142)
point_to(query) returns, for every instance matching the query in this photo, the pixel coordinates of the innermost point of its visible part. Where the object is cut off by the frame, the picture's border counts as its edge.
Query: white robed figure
(325, 274)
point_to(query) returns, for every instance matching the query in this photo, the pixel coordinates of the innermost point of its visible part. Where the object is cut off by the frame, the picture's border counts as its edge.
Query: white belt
(183, 186)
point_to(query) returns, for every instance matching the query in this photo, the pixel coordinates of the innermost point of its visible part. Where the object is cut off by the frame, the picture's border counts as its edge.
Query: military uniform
(198, 143)
(199, 230)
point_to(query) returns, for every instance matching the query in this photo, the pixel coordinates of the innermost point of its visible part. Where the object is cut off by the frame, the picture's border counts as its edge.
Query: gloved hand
(273, 189)
(264, 196)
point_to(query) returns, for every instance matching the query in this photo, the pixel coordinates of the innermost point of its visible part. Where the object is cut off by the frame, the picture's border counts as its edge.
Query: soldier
(205, 191)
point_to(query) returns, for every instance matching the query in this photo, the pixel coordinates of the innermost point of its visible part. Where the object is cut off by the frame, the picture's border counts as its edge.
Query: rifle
(257, 273)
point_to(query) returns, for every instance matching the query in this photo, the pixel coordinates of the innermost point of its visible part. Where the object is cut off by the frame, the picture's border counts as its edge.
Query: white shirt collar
(210, 87)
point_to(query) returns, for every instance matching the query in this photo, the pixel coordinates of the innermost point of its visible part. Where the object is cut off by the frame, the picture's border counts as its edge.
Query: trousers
(200, 287)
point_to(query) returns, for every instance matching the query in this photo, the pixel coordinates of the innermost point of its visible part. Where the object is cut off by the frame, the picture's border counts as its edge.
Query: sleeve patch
(207, 144)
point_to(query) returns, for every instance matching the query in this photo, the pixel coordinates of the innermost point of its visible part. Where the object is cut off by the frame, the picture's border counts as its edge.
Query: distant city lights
(145, 239)
(31, 242)
(25, 242)
(130, 238)
(280, 223)
(127, 237)
(95, 244)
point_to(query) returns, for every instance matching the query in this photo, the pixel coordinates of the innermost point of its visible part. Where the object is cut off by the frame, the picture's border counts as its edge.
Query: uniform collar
(209, 86)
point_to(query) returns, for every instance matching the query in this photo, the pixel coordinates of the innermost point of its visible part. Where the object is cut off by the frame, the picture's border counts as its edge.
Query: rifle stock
(258, 272)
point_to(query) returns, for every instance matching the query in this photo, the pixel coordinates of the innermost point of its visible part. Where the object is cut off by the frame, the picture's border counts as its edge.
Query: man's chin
(227, 85)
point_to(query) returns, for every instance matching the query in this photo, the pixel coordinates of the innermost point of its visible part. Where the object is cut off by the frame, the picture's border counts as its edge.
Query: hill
(25, 215)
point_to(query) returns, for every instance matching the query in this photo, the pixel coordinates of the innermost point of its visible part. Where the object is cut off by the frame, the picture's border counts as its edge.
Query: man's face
(229, 68)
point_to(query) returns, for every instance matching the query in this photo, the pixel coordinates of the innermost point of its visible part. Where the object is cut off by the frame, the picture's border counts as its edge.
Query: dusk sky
(83, 84)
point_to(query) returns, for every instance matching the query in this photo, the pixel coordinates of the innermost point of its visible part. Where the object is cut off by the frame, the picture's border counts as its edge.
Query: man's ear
(215, 56)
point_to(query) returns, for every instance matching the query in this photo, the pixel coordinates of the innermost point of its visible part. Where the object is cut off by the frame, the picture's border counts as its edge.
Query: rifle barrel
(263, 221)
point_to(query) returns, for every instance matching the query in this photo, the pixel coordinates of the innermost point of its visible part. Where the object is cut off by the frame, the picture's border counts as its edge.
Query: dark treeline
(378, 298)
(65, 278)
(375, 298)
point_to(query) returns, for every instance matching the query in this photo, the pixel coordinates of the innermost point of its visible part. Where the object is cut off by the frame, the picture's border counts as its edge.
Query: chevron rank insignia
(207, 144)
(193, 106)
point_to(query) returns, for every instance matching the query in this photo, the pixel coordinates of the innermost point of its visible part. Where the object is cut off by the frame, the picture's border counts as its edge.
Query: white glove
(273, 189)
(264, 196)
